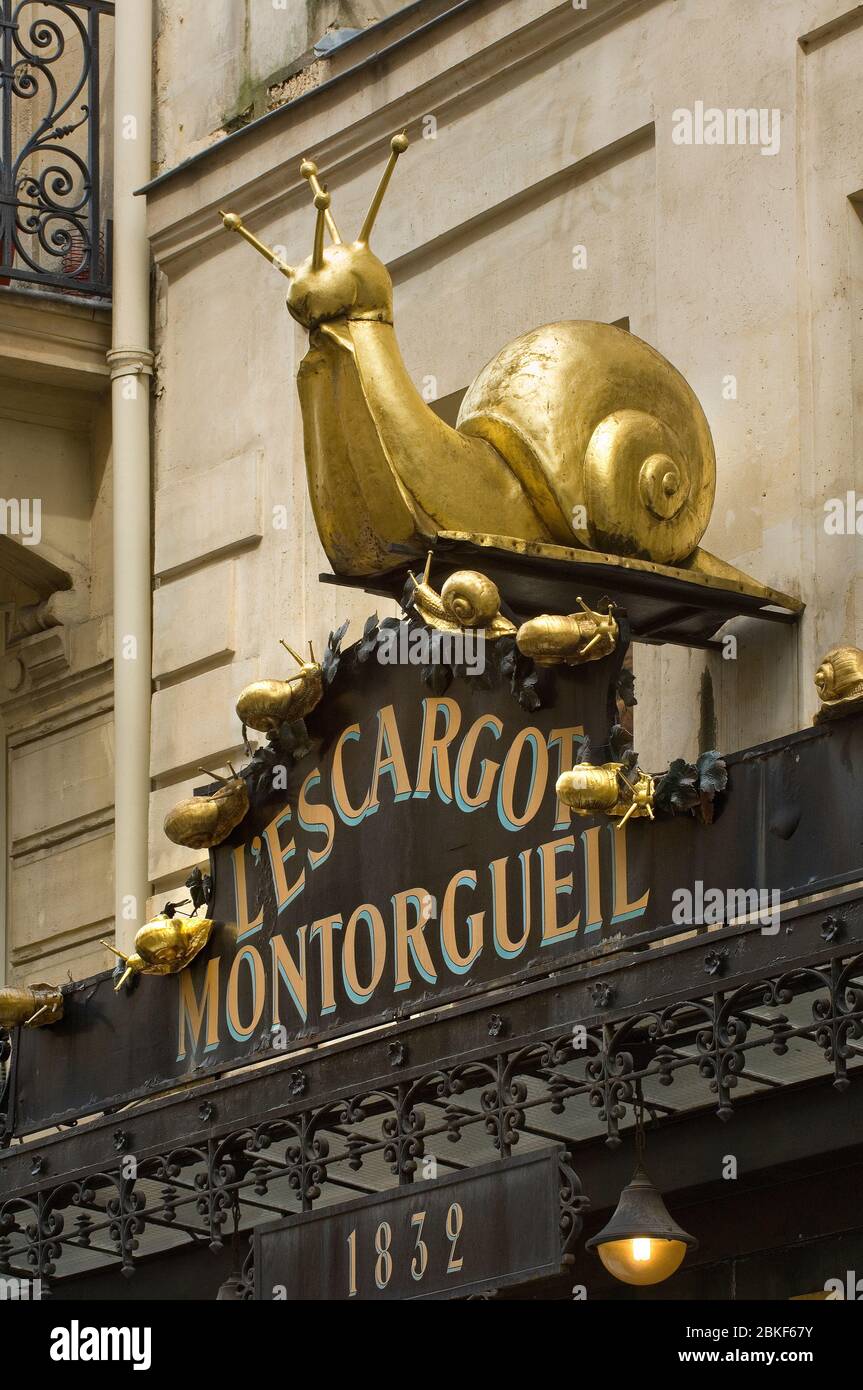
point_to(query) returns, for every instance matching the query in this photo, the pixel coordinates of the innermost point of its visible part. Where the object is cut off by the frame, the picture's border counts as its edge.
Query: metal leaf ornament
(368, 643)
(677, 790)
(626, 687)
(712, 779)
(332, 655)
(619, 743)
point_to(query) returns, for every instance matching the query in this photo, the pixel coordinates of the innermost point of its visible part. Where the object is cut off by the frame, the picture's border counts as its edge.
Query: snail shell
(201, 822)
(167, 944)
(19, 1004)
(266, 705)
(590, 417)
(839, 682)
(587, 789)
(468, 599)
(840, 675)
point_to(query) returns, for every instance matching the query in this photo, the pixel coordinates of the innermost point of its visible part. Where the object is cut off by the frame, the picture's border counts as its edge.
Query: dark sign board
(448, 1238)
(418, 854)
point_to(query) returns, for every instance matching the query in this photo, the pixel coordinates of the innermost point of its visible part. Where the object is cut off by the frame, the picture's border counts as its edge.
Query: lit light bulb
(641, 1244)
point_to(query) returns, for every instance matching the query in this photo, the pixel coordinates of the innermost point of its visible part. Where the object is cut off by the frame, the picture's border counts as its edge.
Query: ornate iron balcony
(53, 231)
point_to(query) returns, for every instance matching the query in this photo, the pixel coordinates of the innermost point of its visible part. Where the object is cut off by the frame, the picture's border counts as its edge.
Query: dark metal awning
(686, 606)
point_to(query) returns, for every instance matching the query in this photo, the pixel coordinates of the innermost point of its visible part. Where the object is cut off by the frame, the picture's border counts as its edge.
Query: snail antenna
(427, 570)
(297, 658)
(127, 973)
(311, 651)
(121, 954)
(234, 223)
(398, 145)
(214, 776)
(309, 170)
(322, 203)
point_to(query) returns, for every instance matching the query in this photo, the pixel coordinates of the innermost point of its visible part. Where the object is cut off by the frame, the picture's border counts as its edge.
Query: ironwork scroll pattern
(373, 1138)
(51, 228)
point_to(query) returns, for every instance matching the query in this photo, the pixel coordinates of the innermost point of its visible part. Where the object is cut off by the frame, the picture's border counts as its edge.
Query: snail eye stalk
(234, 223)
(322, 203)
(398, 145)
(309, 170)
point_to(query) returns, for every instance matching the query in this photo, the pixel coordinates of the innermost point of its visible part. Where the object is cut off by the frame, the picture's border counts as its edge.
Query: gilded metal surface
(577, 434)
(574, 639)
(467, 600)
(202, 822)
(839, 682)
(266, 705)
(34, 1006)
(609, 788)
(164, 946)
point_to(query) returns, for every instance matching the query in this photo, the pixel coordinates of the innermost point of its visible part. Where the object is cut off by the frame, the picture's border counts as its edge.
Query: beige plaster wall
(55, 681)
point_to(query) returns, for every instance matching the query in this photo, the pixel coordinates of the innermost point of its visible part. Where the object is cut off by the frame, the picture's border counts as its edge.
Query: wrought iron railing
(53, 229)
(195, 1174)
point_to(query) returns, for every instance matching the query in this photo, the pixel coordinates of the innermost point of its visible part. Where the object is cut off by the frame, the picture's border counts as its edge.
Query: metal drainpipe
(131, 362)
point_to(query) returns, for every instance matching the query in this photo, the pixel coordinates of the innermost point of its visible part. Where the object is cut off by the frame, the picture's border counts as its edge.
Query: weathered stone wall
(222, 63)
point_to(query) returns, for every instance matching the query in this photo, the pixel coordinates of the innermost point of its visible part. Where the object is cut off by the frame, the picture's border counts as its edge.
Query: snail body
(468, 600)
(202, 822)
(577, 434)
(266, 705)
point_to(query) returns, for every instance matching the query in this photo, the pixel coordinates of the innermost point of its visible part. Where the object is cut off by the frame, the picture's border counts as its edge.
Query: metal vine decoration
(50, 216)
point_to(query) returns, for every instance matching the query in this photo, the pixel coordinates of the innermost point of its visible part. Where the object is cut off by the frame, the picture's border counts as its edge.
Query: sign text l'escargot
(419, 852)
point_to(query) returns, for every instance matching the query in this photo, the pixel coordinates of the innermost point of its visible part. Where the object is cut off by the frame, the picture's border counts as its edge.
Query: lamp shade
(641, 1243)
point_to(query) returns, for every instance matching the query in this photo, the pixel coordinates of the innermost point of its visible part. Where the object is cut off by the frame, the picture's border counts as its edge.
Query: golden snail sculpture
(267, 705)
(576, 434)
(573, 639)
(164, 946)
(839, 682)
(468, 600)
(610, 788)
(33, 1006)
(202, 822)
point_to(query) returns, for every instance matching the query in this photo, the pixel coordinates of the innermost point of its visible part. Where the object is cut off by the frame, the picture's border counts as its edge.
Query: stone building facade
(689, 170)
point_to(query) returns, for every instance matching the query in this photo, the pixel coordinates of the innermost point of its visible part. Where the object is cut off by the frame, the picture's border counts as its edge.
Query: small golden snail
(588, 789)
(164, 946)
(34, 1006)
(202, 822)
(467, 600)
(577, 433)
(579, 637)
(267, 705)
(839, 682)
